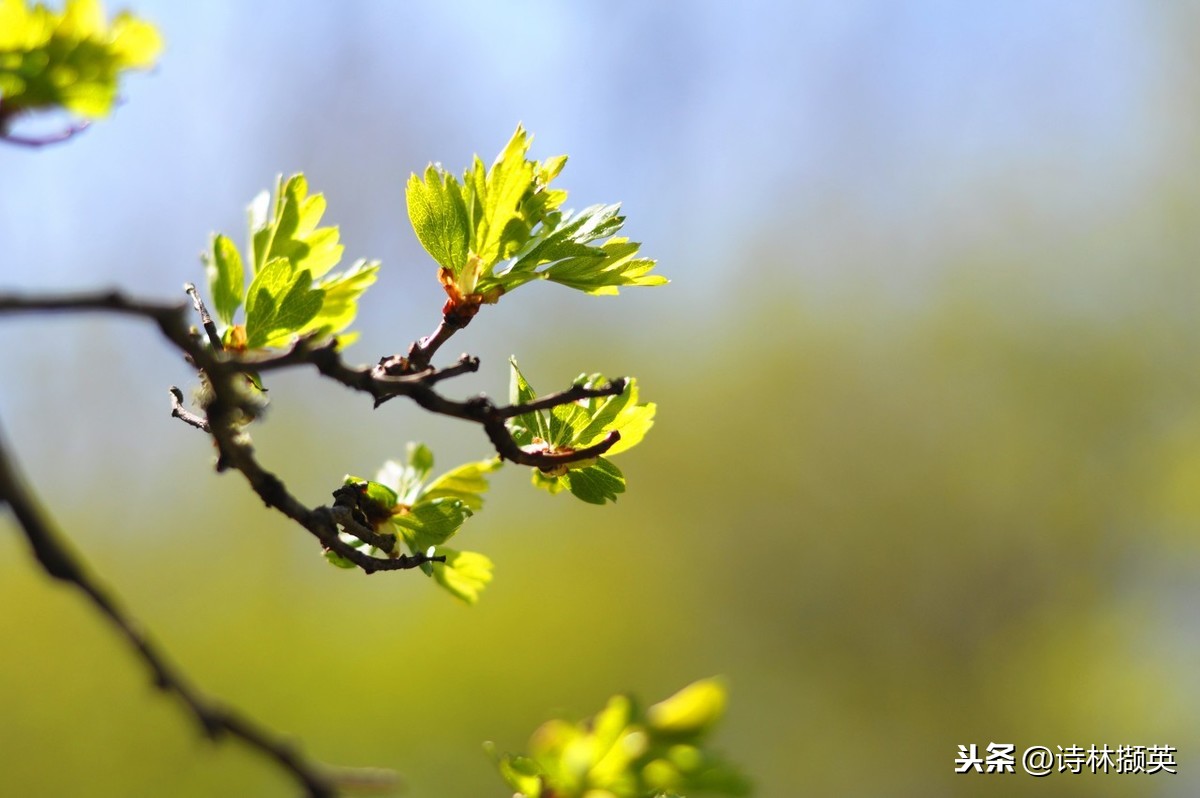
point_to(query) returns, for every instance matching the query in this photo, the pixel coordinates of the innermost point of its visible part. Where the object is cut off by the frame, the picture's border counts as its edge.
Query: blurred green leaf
(691, 711)
(465, 573)
(618, 753)
(71, 59)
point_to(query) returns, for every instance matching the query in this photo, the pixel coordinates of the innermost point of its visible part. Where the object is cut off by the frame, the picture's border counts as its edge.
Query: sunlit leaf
(226, 277)
(464, 573)
(578, 425)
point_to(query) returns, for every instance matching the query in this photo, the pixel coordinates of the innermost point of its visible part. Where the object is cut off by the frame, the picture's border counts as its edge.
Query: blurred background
(927, 465)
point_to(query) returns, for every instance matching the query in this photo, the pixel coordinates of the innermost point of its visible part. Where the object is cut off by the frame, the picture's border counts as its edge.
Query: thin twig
(43, 141)
(210, 327)
(180, 412)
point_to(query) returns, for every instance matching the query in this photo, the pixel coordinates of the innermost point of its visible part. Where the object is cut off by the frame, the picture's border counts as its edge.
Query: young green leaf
(425, 513)
(597, 483)
(292, 292)
(464, 573)
(501, 227)
(439, 217)
(578, 425)
(340, 295)
(280, 302)
(226, 277)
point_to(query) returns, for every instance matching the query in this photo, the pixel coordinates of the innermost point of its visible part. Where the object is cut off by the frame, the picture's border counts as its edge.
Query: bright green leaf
(430, 523)
(439, 217)
(597, 483)
(226, 277)
(525, 427)
(279, 303)
(341, 293)
(291, 291)
(502, 227)
(496, 200)
(465, 483)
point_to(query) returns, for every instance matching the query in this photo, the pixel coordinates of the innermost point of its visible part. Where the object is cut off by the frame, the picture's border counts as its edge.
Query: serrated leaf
(341, 292)
(528, 425)
(430, 523)
(465, 573)
(438, 214)
(288, 252)
(601, 274)
(292, 231)
(496, 199)
(226, 277)
(279, 303)
(598, 483)
(565, 422)
(578, 425)
(466, 483)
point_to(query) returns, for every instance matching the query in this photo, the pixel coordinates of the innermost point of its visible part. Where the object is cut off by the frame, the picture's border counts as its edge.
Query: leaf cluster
(70, 59)
(291, 291)
(502, 226)
(578, 425)
(625, 752)
(423, 514)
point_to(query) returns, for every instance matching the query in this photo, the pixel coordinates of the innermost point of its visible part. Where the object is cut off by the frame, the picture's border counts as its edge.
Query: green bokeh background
(927, 464)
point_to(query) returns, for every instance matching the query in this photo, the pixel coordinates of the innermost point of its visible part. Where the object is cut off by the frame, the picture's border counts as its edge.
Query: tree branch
(42, 141)
(421, 353)
(215, 719)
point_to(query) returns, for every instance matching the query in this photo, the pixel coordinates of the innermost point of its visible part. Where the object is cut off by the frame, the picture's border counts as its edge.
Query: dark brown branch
(421, 353)
(216, 720)
(572, 394)
(345, 518)
(377, 381)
